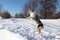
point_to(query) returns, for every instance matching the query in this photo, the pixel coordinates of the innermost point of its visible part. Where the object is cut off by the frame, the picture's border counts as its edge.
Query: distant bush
(49, 16)
(5, 15)
(20, 15)
(58, 15)
(16, 15)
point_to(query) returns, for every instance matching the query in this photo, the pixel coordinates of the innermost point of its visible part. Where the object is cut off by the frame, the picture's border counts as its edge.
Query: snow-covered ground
(26, 29)
(7, 35)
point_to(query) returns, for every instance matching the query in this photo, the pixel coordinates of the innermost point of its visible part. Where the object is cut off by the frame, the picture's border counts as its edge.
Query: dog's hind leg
(38, 29)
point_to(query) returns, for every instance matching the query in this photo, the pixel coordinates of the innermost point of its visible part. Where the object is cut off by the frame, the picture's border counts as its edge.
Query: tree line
(45, 9)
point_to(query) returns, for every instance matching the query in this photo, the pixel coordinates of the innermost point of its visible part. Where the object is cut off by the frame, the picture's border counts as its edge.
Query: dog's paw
(37, 33)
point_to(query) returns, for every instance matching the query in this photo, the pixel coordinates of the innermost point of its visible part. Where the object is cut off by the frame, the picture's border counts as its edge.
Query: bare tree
(31, 5)
(42, 7)
(48, 7)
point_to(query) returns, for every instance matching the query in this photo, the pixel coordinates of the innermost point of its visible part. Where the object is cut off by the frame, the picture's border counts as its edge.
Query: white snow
(7, 35)
(26, 29)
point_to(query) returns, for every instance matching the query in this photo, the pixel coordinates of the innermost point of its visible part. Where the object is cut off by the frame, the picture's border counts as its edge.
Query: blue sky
(13, 6)
(16, 6)
(58, 5)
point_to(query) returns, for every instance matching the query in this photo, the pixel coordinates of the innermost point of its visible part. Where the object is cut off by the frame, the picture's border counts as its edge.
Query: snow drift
(26, 28)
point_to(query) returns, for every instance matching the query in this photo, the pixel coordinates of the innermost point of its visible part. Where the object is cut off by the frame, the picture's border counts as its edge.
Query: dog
(34, 18)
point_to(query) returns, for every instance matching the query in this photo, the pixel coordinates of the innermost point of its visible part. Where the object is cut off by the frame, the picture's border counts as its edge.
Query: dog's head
(32, 14)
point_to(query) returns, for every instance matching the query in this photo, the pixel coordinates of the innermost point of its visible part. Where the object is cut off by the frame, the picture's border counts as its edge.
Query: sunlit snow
(27, 30)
